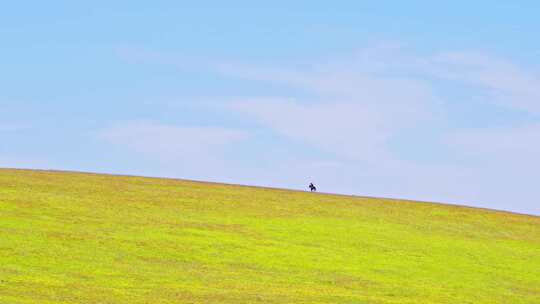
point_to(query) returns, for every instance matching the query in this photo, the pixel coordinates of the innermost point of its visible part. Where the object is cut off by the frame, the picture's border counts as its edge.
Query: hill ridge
(420, 201)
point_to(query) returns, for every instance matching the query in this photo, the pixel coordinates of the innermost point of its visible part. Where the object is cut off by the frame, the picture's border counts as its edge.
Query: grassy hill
(88, 238)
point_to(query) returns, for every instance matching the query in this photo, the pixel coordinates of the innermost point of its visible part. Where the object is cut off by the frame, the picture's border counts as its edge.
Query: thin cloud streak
(169, 142)
(509, 84)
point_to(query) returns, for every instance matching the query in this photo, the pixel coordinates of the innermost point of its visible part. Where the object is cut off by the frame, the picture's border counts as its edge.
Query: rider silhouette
(312, 187)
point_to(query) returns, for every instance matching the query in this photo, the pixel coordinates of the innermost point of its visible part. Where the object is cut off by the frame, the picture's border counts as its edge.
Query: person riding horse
(312, 187)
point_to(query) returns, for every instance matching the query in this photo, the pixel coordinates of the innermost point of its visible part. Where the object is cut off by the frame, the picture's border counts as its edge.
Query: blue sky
(414, 99)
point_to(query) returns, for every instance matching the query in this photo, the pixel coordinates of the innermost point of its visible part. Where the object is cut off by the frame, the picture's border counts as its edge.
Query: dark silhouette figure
(312, 187)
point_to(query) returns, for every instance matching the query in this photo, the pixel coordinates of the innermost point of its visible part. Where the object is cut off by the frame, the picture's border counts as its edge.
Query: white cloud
(355, 112)
(167, 142)
(509, 84)
(349, 130)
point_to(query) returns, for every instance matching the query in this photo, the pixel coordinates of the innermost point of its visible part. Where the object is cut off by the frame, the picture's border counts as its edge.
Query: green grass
(87, 238)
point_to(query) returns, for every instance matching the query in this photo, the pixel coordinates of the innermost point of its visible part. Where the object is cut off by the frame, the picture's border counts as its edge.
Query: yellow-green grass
(88, 238)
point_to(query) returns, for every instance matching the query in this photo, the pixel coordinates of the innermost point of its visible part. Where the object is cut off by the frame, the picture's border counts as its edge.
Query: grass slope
(87, 238)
